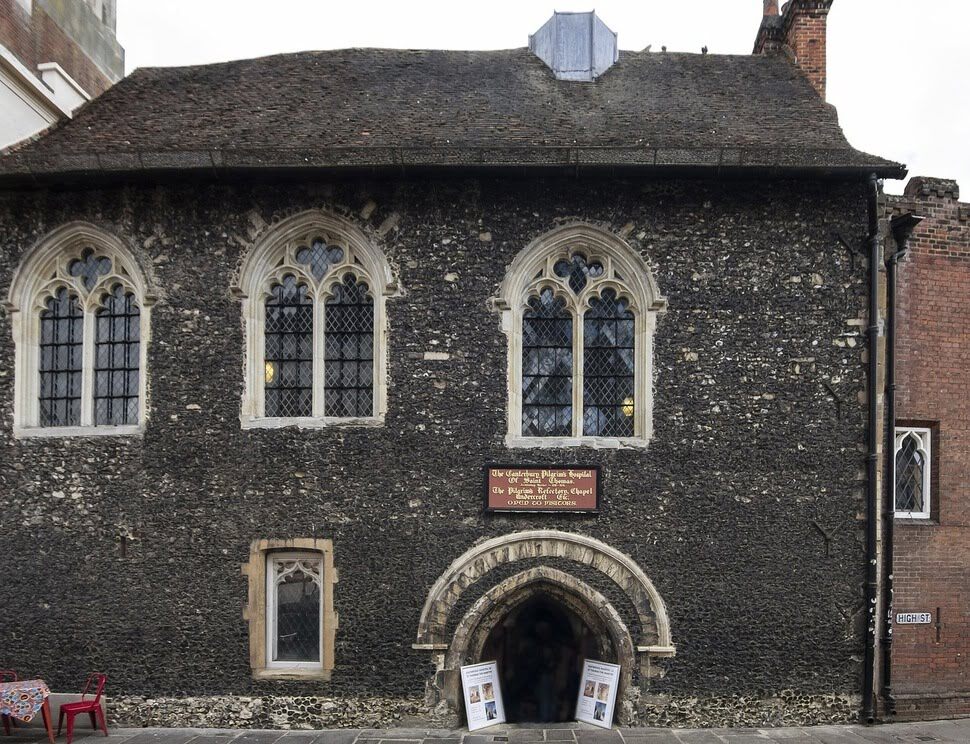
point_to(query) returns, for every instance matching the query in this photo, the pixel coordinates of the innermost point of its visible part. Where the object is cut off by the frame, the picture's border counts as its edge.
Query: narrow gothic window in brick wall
(912, 472)
(313, 295)
(581, 309)
(81, 319)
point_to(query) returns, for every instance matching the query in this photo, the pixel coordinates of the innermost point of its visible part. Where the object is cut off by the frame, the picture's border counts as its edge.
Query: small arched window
(313, 295)
(81, 320)
(912, 472)
(580, 308)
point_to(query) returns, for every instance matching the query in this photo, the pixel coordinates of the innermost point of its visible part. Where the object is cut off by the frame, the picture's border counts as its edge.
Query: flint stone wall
(744, 511)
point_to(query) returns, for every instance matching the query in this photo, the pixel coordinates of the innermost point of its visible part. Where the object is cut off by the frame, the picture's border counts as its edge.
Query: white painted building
(54, 57)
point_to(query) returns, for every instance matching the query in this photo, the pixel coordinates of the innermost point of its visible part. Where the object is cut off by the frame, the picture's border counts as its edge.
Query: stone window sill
(37, 432)
(518, 442)
(283, 673)
(307, 422)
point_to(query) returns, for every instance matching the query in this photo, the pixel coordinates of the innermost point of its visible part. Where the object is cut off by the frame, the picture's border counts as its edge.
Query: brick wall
(806, 39)
(799, 33)
(931, 671)
(35, 37)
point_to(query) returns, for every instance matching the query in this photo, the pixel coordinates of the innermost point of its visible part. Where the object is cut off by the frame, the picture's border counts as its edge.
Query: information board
(541, 489)
(483, 696)
(597, 693)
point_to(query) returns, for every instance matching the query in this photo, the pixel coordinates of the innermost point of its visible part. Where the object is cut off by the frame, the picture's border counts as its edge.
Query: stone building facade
(250, 384)
(931, 554)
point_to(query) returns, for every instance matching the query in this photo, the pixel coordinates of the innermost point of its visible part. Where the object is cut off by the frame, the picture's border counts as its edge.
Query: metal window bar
(288, 351)
(61, 347)
(349, 351)
(608, 367)
(547, 367)
(117, 358)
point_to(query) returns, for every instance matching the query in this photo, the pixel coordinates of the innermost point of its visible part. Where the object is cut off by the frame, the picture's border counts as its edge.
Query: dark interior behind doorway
(540, 646)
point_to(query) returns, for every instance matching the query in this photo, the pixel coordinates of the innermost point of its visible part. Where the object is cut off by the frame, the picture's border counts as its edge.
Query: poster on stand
(597, 693)
(483, 697)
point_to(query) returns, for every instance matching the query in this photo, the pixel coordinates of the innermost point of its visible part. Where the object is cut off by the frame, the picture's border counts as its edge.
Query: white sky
(898, 69)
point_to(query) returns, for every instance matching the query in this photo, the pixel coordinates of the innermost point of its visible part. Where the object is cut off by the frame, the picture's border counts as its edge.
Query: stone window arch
(81, 316)
(313, 293)
(579, 307)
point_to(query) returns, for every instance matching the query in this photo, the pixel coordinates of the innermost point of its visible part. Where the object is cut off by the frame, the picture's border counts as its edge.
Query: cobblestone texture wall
(744, 511)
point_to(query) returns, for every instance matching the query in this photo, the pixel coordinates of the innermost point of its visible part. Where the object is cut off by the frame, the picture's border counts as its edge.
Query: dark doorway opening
(540, 646)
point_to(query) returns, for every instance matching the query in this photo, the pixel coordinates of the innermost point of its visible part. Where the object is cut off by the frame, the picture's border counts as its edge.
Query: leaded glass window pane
(910, 474)
(577, 271)
(296, 608)
(288, 353)
(89, 268)
(117, 359)
(61, 341)
(349, 357)
(608, 381)
(320, 257)
(547, 367)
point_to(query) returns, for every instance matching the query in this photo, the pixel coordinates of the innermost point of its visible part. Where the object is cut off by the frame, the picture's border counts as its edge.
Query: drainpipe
(901, 227)
(872, 457)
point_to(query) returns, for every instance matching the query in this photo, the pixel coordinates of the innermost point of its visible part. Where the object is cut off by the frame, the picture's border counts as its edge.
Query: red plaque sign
(538, 489)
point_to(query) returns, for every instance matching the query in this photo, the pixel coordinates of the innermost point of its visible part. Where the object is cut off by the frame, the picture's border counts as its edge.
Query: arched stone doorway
(539, 634)
(584, 618)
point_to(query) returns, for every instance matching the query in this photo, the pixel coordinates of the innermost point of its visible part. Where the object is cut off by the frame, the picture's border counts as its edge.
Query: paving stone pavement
(948, 732)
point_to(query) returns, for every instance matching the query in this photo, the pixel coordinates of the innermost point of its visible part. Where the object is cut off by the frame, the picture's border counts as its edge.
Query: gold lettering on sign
(537, 489)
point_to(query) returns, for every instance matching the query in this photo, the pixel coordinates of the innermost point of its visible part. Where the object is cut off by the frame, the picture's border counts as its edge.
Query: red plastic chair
(7, 675)
(92, 707)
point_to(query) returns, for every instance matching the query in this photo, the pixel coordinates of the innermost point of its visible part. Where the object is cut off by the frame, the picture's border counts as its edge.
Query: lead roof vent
(575, 46)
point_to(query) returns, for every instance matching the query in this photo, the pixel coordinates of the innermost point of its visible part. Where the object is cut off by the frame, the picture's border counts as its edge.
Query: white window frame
(925, 438)
(42, 272)
(272, 257)
(271, 607)
(628, 275)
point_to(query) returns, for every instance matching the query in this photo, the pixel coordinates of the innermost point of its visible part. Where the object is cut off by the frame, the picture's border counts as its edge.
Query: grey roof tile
(385, 107)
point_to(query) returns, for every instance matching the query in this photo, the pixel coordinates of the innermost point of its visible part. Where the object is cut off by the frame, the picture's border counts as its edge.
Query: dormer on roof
(575, 46)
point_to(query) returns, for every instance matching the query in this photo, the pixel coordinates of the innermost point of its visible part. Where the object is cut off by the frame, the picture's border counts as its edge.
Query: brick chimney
(799, 33)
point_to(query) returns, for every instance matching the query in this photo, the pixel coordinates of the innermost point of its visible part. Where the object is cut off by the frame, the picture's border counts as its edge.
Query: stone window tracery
(80, 308)
(290, 609)
(579, 307)
(313, 293)
(294, 597)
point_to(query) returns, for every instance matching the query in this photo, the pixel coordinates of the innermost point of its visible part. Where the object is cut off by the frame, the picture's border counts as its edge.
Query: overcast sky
(899, 70)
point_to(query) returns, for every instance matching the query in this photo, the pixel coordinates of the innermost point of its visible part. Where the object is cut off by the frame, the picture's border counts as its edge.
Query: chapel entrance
(540, 646)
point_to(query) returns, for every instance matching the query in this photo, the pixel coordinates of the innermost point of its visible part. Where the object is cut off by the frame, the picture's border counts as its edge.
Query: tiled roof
(385, 107)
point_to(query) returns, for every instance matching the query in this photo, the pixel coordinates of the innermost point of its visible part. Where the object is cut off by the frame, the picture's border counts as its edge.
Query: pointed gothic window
(584, 307)
(349, 350)
(316, 346)
(912, 472)
(294, 599)
(288, 350)
(61, 350)
(80, 343)
(292, 622)
(608, 367)
(547, 367)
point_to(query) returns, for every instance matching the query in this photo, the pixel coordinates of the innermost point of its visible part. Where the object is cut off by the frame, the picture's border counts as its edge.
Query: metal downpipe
(872, 457)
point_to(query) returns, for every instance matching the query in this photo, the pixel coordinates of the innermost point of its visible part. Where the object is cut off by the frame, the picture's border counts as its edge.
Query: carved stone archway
(452, 649)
